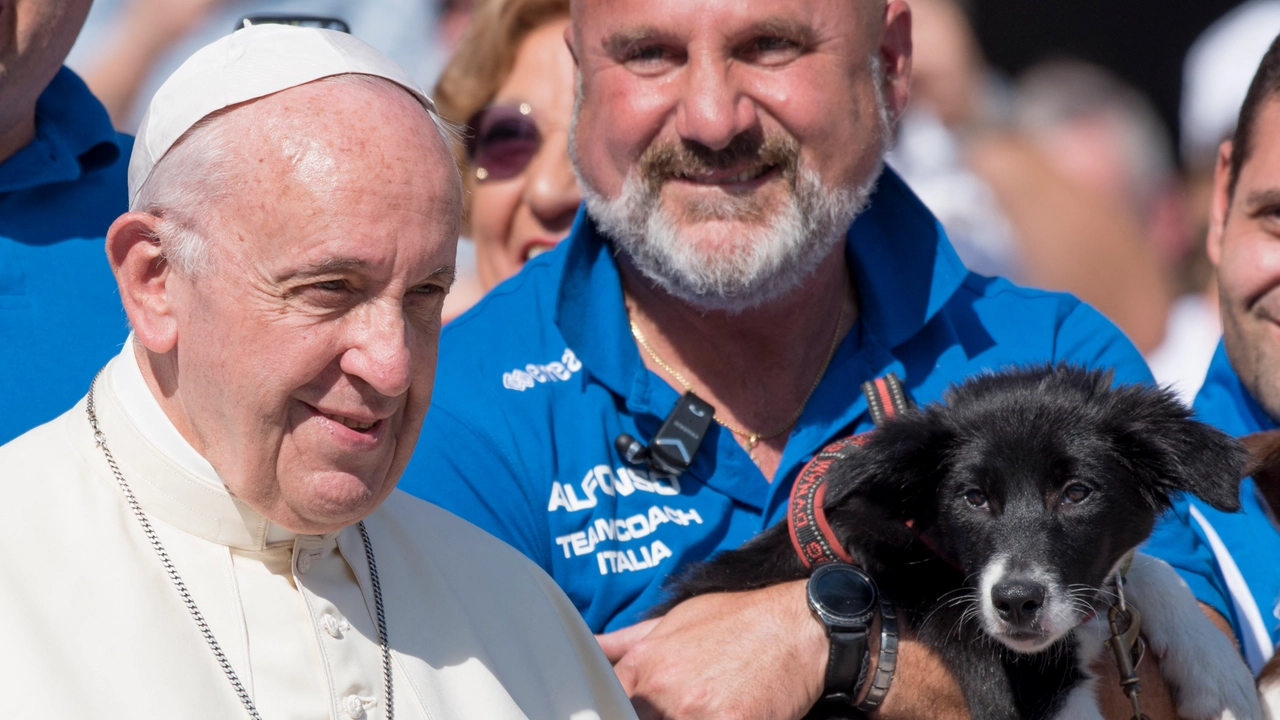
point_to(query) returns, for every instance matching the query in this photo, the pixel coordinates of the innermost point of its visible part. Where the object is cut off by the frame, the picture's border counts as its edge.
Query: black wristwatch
(845, 600)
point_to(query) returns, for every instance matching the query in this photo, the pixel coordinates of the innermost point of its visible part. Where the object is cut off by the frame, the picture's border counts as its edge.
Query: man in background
(1107, 139)
(1229, 560)
(62, 182)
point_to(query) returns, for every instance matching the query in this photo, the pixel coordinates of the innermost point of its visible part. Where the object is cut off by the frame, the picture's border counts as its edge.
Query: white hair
(187, 184)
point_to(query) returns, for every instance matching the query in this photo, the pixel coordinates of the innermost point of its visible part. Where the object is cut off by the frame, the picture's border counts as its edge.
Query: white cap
(1217, 73)
(248, 64)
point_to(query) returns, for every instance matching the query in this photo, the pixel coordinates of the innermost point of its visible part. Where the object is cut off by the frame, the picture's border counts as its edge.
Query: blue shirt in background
(1230, 560)
(60, 313)
(536, 382)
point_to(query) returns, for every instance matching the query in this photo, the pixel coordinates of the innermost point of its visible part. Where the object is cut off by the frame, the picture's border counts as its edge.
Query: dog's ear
(1264, 466)
(899, 467)
(1168, 451)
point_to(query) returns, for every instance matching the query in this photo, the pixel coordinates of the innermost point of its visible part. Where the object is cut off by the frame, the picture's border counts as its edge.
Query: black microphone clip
(676, 444)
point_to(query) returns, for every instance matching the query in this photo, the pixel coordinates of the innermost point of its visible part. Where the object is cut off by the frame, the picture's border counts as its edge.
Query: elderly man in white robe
(213, 532)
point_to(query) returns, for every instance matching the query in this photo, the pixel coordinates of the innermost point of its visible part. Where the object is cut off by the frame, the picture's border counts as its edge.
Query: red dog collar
(810, 533)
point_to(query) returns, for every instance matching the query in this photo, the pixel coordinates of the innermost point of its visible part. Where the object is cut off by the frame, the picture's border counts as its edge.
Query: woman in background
(511, 85)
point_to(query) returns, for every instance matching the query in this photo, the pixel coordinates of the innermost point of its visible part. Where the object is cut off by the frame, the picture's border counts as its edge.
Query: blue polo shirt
(60, 313)
(1230, 560)
(538, 379)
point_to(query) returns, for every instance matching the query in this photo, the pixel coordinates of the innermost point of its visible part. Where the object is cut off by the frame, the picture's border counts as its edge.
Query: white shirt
(93, 627)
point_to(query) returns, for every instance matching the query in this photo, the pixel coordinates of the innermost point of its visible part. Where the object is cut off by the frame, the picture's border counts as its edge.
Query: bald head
(869, 10)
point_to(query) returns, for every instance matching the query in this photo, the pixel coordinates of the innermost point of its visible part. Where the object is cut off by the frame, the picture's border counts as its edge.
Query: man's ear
(143, 275)
(1220, 203)
(895, 56)
(1169, 452)
(569, 43)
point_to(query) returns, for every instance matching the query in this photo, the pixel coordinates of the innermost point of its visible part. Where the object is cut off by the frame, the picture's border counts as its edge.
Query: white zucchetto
(246, 65)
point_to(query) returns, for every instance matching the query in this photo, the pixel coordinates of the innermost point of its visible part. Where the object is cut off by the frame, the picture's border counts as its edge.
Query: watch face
(844, 592)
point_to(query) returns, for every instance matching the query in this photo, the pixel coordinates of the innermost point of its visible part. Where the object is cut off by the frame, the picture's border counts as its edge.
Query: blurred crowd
(1064, 177)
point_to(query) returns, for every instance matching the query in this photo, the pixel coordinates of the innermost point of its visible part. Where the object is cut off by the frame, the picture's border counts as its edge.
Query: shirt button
(354, 706)
(304, 563)
(331, 626)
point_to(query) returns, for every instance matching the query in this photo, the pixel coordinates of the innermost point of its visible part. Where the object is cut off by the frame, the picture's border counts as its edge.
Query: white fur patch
(1057, 617)
(1082, 701)
(1202, 667)
(991, 574)
(1081, 704)
(1270, 692)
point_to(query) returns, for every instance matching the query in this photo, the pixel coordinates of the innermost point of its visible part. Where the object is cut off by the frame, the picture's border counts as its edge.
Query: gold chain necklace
(752, 438)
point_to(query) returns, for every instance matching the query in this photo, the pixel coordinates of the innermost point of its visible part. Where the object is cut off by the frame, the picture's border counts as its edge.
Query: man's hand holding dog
(757, 654)
(761, 654)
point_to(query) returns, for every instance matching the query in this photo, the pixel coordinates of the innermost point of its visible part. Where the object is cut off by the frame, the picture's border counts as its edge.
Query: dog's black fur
(1022, 440)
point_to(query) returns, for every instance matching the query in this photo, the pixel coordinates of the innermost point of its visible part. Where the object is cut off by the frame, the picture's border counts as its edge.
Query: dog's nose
(1017, 601)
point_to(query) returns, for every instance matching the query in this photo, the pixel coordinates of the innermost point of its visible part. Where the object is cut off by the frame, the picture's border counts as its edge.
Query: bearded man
(214, 532)
(742, 240)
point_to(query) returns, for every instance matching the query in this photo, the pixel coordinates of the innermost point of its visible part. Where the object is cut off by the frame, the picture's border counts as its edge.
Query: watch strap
(886, 663)
(846, 664)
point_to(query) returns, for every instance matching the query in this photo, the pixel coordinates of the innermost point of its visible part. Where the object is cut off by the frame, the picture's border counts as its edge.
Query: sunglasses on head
(502, 140)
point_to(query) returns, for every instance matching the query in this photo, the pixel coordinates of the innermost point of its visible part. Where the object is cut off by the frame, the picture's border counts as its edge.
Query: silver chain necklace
(101, 441)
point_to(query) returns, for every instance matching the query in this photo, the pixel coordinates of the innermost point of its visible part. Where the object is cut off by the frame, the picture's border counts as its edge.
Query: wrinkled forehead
(328, 135)
(330, 169)
(602, 19)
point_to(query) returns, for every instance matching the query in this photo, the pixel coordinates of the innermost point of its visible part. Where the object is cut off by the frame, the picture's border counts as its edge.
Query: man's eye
(648, 54)
(428, 290)
(769, 44)
(772, 49)
(330, 285)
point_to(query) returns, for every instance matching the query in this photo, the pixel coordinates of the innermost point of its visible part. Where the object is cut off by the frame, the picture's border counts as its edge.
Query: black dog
(996, 520)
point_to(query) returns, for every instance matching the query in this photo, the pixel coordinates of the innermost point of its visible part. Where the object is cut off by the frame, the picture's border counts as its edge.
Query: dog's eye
(1076, 493)
(976, 498)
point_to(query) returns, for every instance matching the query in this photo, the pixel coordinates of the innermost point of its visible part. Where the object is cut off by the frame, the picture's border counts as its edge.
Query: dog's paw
(1201, 665)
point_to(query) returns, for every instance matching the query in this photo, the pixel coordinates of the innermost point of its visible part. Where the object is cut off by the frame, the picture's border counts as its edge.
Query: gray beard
(762, 263)
(750, 263)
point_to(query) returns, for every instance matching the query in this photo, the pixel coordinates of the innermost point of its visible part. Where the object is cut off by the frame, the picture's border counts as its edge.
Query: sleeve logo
(521, 379)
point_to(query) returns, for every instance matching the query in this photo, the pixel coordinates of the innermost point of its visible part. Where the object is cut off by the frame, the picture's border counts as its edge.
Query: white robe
(92, 627)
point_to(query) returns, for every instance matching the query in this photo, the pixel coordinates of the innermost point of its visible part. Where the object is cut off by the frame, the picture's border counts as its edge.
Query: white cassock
(92, 627)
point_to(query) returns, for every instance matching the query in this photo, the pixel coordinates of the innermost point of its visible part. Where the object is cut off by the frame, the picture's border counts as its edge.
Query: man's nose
(1018, 602)
(379, 353)
(551, 190)
(712, 109)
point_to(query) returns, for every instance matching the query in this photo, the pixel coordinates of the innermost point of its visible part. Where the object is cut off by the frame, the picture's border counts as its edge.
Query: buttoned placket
(349, 651)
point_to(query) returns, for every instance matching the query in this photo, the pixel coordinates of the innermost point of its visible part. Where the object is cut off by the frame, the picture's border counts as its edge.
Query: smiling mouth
(353, 424)
(717, 179)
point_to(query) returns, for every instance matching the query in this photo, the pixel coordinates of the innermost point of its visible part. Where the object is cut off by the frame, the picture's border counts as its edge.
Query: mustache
(685, 158)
